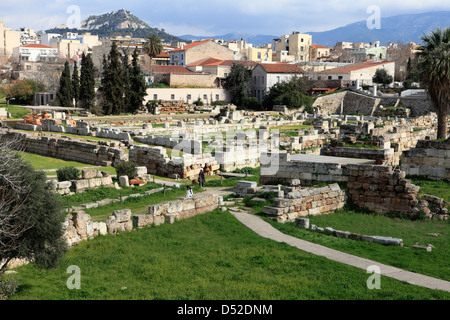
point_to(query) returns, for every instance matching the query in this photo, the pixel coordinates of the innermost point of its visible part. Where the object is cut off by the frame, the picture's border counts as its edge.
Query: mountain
(116, 23)
(404, 28)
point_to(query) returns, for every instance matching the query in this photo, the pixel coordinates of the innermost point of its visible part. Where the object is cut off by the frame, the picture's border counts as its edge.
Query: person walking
(201, 178)
(189, 193)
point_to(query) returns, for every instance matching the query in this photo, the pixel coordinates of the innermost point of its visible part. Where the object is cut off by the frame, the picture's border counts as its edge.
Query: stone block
(124, 181)
(142, 220)
(302, 223)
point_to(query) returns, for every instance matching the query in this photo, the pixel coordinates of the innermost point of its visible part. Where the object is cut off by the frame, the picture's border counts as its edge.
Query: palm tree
(434, 73)
(153, 47)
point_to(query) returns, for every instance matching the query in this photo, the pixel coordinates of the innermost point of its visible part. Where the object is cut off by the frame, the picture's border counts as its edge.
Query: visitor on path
(201, 178)
(189, 193)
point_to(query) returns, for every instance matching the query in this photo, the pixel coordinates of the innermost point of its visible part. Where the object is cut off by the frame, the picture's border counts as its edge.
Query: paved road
(265, 230)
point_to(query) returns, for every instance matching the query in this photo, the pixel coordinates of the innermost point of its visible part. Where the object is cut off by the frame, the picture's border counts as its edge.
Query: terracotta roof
(191, 45)
(163, 55)
(318, 46)
(170, 70)
(207, 62)
(36, 45)
(281, 68)
(355, 66)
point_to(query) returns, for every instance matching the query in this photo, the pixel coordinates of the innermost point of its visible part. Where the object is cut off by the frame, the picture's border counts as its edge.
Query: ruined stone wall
(292, 172)
(355, 103)
(79, 225)
(304, 202)
(184, 145)
(381, 189)
(386, 156)
(171, 211)
(157, 162)
(98, 154)
(430, 159)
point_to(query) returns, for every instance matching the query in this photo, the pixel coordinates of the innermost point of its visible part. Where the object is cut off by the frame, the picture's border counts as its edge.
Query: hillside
(117, 23)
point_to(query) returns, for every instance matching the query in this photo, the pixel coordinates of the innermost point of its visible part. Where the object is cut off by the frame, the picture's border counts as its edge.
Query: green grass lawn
(39, 162)
(207, 257)
(440, 189)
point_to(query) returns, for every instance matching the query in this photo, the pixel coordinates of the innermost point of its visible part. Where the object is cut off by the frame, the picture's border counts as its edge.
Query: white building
(265, 75)
(34, 53)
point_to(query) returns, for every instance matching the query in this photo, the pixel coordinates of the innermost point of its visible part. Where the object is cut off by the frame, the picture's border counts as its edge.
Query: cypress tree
(87, 82)
(65, 91)
(113, 83)
(127, 83)
(138, 86)
(76, 84)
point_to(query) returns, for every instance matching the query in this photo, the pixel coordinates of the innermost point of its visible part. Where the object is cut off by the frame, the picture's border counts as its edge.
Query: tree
(76, 84)
(434, 73)
(382, 77)
(31, 218)
(24, 90)
(113, 83)
(237, 83)
(87, 83)
(65, 91)
(126, 83)
(138, 86)
(291, 93)
(153, 46)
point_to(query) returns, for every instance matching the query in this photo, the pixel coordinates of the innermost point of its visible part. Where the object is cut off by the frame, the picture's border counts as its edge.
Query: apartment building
(9, 40)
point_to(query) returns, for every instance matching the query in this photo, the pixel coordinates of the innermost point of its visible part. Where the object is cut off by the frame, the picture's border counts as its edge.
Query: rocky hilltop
(116, 23)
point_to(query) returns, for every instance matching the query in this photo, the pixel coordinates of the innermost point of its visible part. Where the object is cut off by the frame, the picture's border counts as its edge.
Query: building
(319, 53)
(259, 54)
(296, 44)
(8, 40)
(199, 50)
(177, 76)
(34, 53)
(265, 75)
(356, 74)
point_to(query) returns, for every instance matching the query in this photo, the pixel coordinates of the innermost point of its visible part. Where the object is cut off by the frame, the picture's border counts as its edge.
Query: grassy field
(39, 162)
(440, 189)
(210, 256)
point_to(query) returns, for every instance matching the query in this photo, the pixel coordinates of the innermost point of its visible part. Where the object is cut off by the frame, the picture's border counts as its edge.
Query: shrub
(219, 103)
(125, 169)
(8, 287)
(199, 102)
(68, 173)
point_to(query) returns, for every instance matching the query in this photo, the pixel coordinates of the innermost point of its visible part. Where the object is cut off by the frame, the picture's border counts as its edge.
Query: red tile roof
(163, 55)
(191, 45)
(207, 62)
(355, 66)
(36, 45)
(281, 68)
(318, 46)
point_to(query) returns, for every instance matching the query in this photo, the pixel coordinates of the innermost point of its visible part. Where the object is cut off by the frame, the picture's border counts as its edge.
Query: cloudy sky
(215, 17)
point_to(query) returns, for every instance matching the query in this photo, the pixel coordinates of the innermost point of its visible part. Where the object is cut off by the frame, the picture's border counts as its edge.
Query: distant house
(35, 53)
(177, 76)
(265, 75)
(199, 50)
(357, 73)
(319, 53)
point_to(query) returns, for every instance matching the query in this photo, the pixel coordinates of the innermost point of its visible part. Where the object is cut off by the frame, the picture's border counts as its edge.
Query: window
(189, 97)
(301, 40)
(205, 97)
(340, 77)
(155, 97)
(217, 97)
(259, 55)
(319, 77)
(330, 77)
(262, 79)
(172, 97)
(278, 79)
(301, 48)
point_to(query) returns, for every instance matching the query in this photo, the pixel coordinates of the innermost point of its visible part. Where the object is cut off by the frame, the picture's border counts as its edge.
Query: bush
(219, 103)
(68, 173)
(125, 169)
(247, 170)
(8, 287)
(251, 103)
(199, 102)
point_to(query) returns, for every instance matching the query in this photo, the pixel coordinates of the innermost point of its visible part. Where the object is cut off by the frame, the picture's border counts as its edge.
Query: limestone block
(122, 215)
(143, 220)
(64, 184)
(171, 217)
(174, 207)
(140, 171)
(158, 209)
(90, 173)
(302, 223)
(124, 181)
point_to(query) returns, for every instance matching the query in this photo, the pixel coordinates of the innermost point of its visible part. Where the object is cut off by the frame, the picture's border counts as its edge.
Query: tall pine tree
(137, 82)
(76, 84)
(65, 91)
(113, 83)
(127, 83)
(87, 83)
